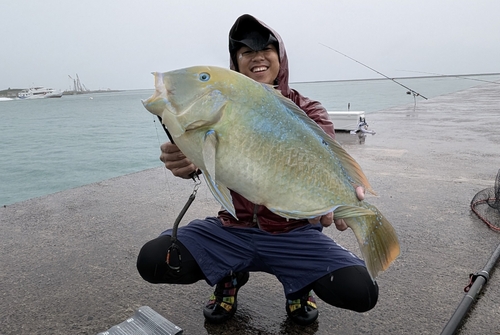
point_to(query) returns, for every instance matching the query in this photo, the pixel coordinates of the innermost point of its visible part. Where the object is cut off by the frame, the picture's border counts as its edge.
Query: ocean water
(50, 145)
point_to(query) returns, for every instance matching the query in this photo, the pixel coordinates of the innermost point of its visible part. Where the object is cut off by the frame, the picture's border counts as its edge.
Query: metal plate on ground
(145, 321)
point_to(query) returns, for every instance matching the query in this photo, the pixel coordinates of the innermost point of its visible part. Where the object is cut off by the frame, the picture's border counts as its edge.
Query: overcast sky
(118, 43)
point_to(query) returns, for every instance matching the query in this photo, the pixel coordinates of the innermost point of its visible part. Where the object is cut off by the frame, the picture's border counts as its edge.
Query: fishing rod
(410, 91)
(477, 282)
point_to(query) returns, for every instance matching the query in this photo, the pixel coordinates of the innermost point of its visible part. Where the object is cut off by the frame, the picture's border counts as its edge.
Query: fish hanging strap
(173, 257)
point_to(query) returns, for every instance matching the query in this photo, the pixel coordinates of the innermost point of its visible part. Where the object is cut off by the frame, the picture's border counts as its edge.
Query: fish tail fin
(376, 238)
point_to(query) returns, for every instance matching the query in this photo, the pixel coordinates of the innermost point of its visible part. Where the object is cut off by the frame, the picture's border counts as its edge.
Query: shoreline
(13, 92)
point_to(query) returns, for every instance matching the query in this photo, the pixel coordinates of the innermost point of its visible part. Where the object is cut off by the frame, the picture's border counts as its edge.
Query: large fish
(245, 136)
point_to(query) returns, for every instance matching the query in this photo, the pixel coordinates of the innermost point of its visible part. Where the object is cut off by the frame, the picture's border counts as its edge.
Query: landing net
(486, 205)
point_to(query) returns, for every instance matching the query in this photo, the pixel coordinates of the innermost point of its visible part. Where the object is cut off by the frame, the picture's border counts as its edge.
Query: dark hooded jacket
(248, 213)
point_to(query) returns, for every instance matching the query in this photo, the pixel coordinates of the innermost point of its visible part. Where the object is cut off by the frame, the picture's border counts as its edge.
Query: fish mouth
(158, 102)
(177, 112)
(164, 98)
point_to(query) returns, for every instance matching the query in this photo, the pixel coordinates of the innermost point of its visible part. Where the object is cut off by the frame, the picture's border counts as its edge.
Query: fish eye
(204, 76)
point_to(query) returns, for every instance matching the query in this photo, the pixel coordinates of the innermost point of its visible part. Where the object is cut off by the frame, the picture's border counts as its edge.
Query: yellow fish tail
(376, 237)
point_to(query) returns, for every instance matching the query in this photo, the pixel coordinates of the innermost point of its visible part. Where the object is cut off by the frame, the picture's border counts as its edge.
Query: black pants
(349, 288)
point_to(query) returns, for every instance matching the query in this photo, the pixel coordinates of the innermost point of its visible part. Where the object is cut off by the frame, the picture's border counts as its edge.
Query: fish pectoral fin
(221, 193)
(209, 151)
(377, 240)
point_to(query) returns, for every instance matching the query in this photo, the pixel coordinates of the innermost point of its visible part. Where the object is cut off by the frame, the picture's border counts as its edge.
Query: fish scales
(262, 146)
(245, 136)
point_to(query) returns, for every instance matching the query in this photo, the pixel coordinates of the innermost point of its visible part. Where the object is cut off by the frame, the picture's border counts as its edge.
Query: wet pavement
(68, 259)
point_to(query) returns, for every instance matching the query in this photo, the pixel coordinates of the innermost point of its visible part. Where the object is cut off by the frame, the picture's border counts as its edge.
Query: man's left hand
(327, 219)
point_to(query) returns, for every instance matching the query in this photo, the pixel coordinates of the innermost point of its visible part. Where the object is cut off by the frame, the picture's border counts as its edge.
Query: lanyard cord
(173, 257)
(184, 210)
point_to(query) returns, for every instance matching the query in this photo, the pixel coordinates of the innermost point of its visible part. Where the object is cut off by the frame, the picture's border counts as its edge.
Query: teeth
(259, 69)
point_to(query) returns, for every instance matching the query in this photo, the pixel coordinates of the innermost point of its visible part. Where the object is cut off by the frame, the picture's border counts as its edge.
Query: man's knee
(151, 259)
(350, 288)
(152, 263)
(364, 290)
(366, 297)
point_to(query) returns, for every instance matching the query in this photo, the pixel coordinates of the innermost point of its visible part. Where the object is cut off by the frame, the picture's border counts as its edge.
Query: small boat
(346, 120)
(352, 121)
(39, 92)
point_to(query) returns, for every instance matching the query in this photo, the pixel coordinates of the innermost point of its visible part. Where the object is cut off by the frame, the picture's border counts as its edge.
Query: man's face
(262, 66)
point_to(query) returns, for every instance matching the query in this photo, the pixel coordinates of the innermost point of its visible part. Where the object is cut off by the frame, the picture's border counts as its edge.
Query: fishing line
(410, 91)
(457, 76)
(167, 186)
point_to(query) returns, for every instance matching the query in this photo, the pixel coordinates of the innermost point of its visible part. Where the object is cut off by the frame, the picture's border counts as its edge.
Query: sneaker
(302, 311)
(223, 304)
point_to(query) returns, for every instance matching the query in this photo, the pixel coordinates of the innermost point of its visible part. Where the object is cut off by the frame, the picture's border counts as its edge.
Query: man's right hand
(175, 161)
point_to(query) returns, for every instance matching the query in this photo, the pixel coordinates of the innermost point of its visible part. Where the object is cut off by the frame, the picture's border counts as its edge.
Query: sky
(116, 44)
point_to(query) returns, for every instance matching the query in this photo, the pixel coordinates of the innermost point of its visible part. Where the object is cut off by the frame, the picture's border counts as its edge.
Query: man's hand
(175, 161)
(327, 219)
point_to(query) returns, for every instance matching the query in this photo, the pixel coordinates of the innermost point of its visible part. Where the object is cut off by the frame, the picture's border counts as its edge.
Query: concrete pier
(68, 259)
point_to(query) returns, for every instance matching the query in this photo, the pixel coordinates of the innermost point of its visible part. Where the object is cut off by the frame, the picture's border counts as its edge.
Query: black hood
(249, 31)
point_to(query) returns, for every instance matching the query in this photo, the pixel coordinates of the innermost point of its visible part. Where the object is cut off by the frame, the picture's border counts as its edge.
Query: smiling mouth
(258, 69)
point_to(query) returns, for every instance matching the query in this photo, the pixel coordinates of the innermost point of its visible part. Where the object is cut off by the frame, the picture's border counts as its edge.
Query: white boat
(39, 92)
(351, 121)
(346, 120)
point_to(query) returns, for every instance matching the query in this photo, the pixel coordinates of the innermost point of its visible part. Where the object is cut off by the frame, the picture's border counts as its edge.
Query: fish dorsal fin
(209, 151)
(351, 167)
